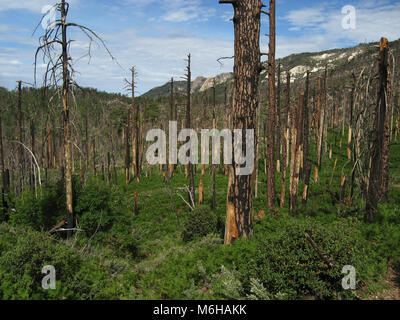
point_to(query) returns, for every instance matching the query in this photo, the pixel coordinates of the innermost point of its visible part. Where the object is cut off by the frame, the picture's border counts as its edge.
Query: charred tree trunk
(127, 152)
(306, 183)
(321, 113)
(214, 166)
(247, 67)
(278, 122)
(296, 154)
(3, 169)
(135, 130)
(94, 157)
(271, 108)
(20, 150)
(285, 141)
(387, 136)
(192, 195)
(306, 129)
(68, 171)
(375, 180)
(87, 141)
(171, 118)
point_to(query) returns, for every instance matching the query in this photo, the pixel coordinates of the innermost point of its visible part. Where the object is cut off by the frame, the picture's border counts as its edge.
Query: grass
(144, 257)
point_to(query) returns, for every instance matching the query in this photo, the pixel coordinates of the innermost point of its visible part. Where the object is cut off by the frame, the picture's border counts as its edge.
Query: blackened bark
(271, 108)
(247, 66)
(192, 195)
(374, 187)
(285, 141)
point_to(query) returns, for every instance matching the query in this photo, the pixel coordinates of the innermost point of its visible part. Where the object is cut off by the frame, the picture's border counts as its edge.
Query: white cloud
(307, 17)
(30, 5)
(321, 29)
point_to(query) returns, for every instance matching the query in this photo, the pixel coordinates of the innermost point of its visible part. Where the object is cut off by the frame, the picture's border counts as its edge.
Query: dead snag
(386, 134)
(306, 127)
(171, 167)
(285, 141)
(20, 138)
(127, 153)
(214, 167)
(377, 157)
(306, 183)
(201, 192)
(2, 164)
(296, 154)
(247, 67)
(321, 109)
(94, 157)
(278, 122)
(135, 127)
(342, 192)
(108, 168)
(63, 65)
(293, 133)
(203, 166)
(190, 171)
(87, 141)
(271, 108)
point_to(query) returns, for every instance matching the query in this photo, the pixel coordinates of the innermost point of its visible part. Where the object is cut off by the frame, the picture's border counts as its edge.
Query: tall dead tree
(321, 113)
(188, 77)
(134, 127)
(214, 166)
(247, 67)
(171, 118)
(271, 108)
(61, 63)
(86, 141)
(374, 193)
(127, 148)
(285, 141)
(296, 154)
(387, 132)
(306, 121)
(20, 138)
(65, 90)
(204, 125)
(2, 164)
(278, 122)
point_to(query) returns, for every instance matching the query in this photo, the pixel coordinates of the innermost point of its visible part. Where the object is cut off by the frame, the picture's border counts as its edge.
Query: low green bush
(200, 222)
(23, 254)
(287, 264)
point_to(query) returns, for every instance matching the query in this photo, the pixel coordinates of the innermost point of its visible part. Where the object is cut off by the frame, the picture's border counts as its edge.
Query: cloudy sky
(156, 35)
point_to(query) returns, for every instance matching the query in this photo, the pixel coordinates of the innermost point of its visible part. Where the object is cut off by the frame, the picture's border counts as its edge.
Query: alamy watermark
(49, 281)
(349, 281)
(349, 21)
(234, 144)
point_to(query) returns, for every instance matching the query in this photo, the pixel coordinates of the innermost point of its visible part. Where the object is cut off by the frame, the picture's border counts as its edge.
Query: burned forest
(274, 176)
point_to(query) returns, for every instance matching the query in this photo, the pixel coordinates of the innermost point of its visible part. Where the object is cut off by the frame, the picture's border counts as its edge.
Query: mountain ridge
(339, 59)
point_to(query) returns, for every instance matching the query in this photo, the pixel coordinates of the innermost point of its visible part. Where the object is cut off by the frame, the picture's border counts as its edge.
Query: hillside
(340, 61)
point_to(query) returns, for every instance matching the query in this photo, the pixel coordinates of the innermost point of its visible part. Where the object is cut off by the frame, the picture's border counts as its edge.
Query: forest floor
(163, 250)
(391, 287)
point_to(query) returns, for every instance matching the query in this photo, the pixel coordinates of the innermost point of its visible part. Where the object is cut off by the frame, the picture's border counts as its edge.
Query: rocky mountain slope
(340, 61)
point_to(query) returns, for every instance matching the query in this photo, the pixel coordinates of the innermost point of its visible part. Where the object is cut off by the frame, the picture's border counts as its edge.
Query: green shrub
(199, 223)
(23, 254)
(21, 264)
(45, 207)
(93, 209)
(286, 263)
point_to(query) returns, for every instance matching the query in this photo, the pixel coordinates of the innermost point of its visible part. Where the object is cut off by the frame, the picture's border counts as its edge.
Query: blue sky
(156, 35)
